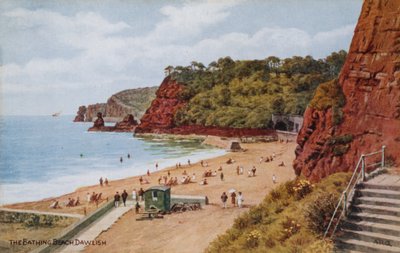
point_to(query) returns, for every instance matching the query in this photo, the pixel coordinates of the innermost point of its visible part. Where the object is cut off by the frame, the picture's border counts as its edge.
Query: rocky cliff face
(93, 110)
(121, 104)
(80, 114)
(128, 124)
(370, 82)
(159, 117)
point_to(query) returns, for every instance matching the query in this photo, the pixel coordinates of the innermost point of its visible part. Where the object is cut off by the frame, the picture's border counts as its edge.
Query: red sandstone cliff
(370, 81)
(93, 110)
(159, 117)
(128, 124)
(80, 114)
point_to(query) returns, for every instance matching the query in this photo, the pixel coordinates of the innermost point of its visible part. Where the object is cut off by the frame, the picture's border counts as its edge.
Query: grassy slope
(262, 229)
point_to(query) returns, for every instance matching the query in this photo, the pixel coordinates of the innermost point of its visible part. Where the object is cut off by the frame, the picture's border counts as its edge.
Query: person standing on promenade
(88, 197)
(240, 199)
(224, 198)
(101, 181)
(117, 197)
(134, 197)
(140, 193)
(124, 196)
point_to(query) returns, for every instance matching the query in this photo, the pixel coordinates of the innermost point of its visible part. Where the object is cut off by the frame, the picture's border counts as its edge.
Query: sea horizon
(44, 157)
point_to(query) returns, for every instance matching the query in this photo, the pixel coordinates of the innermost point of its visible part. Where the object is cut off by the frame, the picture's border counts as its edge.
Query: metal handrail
(346, 196)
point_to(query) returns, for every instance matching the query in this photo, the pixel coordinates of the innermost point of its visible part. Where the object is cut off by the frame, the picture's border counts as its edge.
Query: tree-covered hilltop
(245, 93)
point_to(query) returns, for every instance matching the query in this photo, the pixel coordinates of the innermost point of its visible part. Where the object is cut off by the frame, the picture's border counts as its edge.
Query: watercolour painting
(199, 126)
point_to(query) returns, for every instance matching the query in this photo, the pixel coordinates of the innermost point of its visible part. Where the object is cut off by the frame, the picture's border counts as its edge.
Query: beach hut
(157, 197)
(235, 146)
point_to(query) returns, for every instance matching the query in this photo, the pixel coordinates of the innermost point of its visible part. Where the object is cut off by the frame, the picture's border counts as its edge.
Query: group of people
(268, 158)
(103, 182)
(118, 197)
(236, 200)
(93, 198)
(72, 202)
(203, 164)
(143, 180)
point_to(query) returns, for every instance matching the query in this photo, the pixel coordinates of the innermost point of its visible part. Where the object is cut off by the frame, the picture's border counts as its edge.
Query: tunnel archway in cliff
(281, 125)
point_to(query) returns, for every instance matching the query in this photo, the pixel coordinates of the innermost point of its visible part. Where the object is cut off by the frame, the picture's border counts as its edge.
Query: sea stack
(370, 115)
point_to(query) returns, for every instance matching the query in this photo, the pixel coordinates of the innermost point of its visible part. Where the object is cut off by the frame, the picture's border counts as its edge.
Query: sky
(56, 55)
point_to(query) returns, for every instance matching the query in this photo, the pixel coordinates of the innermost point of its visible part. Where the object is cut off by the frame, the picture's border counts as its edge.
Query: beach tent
(235, 146)
(157, 197)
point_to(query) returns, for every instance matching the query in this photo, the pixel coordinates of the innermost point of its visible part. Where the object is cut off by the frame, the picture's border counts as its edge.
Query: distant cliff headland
(236, 97)
(119, 105)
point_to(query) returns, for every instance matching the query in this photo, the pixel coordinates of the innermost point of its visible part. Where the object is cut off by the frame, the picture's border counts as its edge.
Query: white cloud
(100, 53)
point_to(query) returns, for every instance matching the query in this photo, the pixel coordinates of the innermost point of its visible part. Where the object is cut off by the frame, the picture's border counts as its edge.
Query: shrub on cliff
(240, 94)
(263, 229)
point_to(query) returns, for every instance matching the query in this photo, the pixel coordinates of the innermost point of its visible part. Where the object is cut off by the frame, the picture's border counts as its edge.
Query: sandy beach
(192, 231)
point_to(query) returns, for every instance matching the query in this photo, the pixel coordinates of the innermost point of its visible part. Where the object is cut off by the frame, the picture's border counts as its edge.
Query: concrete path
(95, 229)
(79, 216)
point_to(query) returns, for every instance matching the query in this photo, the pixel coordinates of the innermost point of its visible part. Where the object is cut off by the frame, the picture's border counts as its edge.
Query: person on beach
(156, 166)
(237, 170)
(137, 207)
(159, 180)
(274, 178)
(241, 170)
(148, 173)
(240, 199)
(176, 165)
(55, 205)
(88, 197)
(220, 168)
(165, 180)
(124, 196)
(184, 173)
(134, 194)
(129, 156)
(101, 181)
(106, 181)
(224, 198)
(273, 155)
(179, 165)
(222, 176)
(249, 173)
(233, 198)
(140, 193)
(261, 159)
(141, 180)
(169, 173)
(121, 159)
(117, 197)
(253, 170)
(77, 202)
(202, 163)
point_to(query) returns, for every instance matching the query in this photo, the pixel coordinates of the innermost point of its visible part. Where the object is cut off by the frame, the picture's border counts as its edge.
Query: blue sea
(40, 156)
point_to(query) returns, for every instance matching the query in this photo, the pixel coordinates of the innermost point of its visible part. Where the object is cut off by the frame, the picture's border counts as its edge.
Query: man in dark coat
(224, 198)
(117, 197)
(124, 196)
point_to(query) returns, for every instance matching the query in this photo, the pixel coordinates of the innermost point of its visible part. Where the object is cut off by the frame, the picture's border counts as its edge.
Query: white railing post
(363, 167)
(383, 157)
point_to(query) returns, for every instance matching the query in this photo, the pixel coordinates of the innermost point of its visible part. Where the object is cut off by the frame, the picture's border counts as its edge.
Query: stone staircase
(373, 224)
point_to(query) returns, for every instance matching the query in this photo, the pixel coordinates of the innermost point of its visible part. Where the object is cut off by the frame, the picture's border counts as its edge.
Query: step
(358, 245)
(379, 186)
(394, 211)
(378, 218)
(378, 193)
(378, 201)
(376, 238)
(371, 227)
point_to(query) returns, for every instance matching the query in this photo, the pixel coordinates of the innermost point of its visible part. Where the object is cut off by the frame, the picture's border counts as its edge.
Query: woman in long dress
(240, 199)
(134, 194)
